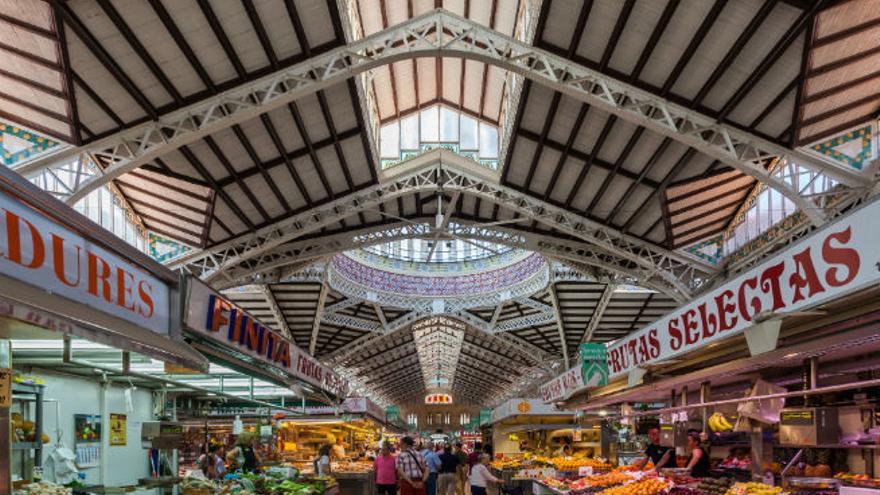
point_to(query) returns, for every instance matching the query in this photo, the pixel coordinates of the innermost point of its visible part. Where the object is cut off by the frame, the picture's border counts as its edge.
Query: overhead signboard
(563, 385)
(838, 259)
(39, 251)
(521, 407)
(218, 319)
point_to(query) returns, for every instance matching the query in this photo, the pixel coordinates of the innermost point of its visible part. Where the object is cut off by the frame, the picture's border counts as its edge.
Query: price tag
(5, 388)
(585, 471)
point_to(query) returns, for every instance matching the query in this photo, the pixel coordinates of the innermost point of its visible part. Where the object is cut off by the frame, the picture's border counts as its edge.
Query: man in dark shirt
(656, 453)
(448, 471)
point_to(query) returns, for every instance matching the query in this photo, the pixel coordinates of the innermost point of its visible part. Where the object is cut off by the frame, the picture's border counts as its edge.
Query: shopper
(339, 449)
(250, 460)
(412, 470)
(474, 457)
(448, 477)
(698, 462)
(386, 475)
(461, 478)
(322, 463)
(480, 476)
(655, 452)
(211, 464)
(433, 462)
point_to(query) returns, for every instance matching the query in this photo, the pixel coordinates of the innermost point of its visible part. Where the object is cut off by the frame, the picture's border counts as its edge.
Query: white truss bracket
(341, 320)
(526, 321)
(319, 314)
(381, 315)
(554, 302)
(276, 310)
(596, 317)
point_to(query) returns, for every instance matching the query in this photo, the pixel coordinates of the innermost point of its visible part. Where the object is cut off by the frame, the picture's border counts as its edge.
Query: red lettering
(614, 360)
(847, 257)
(709, 321)
(103, 277)
(123, 289)
(770, 284)
(804, 276)
(675, 335)
(643, 349)
(724, 309)
(58, 263)
(754, 302)
(145, 291)
(13, 236)
(655, 343)
(251, 333)
(690, 323)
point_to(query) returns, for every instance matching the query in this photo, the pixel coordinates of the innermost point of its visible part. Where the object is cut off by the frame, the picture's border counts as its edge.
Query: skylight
(768, 208)
(445, 250)
(438, 126)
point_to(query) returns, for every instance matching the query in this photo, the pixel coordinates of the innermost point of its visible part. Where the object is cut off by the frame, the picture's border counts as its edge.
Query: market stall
(774, 372)
(354, 429)
(70, 286)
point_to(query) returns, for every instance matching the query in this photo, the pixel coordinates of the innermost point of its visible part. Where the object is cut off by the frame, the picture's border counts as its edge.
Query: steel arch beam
(441, 169)
(437, 34)
(290, 258)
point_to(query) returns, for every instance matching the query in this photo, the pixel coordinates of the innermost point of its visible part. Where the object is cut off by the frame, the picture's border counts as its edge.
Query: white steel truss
(341, 320)
(276, 311)
(435, 34)
(572, 256)
(596, 317)
(442, 170)
(527, 321)
(319, 312)
(554, 301)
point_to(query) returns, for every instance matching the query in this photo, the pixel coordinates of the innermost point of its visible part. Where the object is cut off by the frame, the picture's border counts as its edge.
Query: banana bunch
(718, 423)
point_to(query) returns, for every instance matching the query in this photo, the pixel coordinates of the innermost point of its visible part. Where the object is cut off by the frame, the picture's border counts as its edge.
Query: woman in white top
(480, 475)
(322, 463)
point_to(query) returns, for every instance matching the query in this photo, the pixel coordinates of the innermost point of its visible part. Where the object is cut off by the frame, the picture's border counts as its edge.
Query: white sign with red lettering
(840, 258)
(560, 387)
(219, 319)
(39, 251)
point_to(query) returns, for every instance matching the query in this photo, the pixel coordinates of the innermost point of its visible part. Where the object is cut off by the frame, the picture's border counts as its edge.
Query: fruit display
(602, 480)
(506, 463)
(752, 488)
(648, 486)
(858, 480)
(574, 463)
(718, 423)
(351, 467)
(711, 486)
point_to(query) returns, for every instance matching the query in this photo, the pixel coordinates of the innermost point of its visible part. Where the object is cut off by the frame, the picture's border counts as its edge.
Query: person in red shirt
(386, 475)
